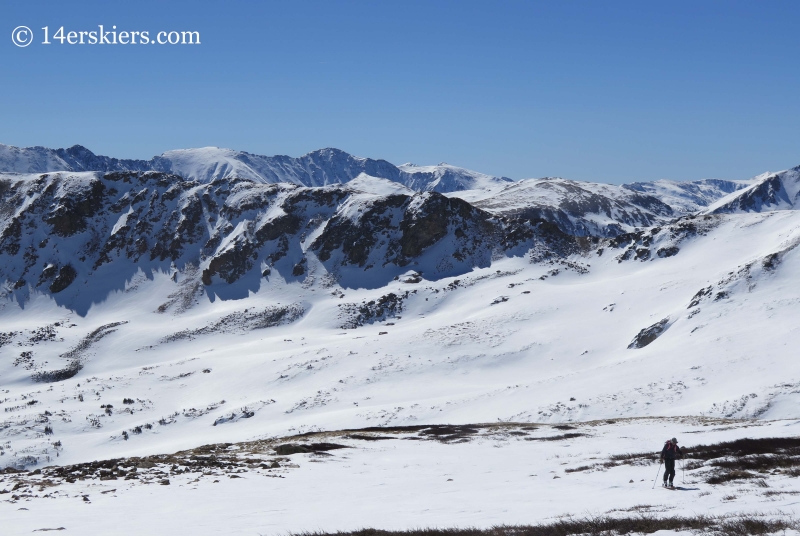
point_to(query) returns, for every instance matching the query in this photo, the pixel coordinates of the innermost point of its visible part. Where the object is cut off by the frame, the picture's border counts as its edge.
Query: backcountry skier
(669, 454)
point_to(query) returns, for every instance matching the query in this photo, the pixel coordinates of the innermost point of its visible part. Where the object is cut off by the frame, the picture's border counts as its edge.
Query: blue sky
(603, 91)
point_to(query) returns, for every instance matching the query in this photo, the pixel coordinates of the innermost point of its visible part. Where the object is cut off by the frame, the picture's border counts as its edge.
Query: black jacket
(670, 451)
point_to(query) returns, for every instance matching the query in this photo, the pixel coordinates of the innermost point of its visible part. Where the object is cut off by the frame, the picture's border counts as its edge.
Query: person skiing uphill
(669, 454)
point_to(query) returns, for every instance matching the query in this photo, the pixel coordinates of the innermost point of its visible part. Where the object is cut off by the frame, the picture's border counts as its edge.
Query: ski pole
(657, 473)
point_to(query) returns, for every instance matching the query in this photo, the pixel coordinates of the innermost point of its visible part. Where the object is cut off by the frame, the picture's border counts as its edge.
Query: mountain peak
(78, 148)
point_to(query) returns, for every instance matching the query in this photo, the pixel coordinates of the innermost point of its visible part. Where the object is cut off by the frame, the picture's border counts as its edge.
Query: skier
(669, 454)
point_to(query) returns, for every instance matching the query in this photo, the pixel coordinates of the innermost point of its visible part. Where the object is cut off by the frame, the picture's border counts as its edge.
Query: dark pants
(669, 470)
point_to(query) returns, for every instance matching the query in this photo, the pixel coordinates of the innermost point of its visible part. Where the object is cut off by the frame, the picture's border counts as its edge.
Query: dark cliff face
(357, 237)
(80, 236)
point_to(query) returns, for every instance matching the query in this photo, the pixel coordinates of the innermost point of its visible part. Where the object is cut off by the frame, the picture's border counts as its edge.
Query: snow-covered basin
(452, 357)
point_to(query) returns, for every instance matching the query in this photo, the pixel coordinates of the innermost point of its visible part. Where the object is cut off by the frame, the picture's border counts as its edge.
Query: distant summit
(317, 168)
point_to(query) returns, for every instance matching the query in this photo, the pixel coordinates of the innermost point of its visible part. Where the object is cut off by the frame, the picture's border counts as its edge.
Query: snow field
(503, 475)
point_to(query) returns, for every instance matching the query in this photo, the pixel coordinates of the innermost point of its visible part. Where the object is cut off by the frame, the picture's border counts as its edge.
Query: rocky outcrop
(649, 334)
(661, 241)
(66, 275)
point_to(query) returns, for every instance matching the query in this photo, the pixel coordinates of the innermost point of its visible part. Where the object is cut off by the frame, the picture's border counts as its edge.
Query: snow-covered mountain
(694, 317)
(447, 178)
(76, 158)
(770, 191)
(581, 209)
(230, 309)
(317, 168)
(592, 209)
(577, 208)
(689, 196)
(65, 232)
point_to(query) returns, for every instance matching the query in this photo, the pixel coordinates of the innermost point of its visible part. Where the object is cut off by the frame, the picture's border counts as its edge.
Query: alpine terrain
(439, 346)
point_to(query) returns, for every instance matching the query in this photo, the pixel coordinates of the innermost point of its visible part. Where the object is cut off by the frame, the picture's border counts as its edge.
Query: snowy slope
(515, 339)
(76, 158)
(377, 186)
(211, 163)
(317, 168)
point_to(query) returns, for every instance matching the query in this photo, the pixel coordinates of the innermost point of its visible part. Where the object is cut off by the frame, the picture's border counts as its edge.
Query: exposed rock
(295, 448)
(649, 334)
(698, 297)
(669, 251)
(66, 275)
(356, 238)
(299, 268)
(107, 227)
(76, 356)
(354, 315)
(72, 212)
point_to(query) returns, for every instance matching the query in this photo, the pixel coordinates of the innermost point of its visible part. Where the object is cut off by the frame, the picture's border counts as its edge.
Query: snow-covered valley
(144, 314)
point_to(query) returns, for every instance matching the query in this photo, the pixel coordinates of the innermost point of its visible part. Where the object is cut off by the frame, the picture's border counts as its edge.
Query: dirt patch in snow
(244, 321)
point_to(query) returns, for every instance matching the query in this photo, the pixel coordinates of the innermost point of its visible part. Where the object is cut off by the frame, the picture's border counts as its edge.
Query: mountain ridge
(578, 208)
(61, 232)
(316, 168)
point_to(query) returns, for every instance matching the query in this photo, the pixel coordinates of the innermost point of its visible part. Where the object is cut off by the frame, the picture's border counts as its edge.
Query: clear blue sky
(604, 91)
